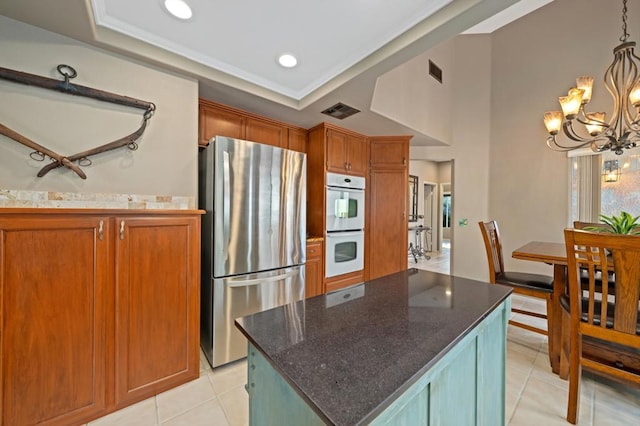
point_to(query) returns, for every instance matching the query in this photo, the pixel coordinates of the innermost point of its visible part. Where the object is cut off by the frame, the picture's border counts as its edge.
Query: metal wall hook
(68, 72)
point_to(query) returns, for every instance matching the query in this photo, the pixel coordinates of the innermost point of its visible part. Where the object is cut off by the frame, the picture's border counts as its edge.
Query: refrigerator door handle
(226, 197)
(246, 283)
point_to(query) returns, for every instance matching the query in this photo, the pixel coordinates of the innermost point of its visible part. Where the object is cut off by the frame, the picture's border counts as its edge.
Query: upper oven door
(345, 209)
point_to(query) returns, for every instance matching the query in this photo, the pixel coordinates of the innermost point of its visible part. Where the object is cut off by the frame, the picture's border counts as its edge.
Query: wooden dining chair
(534, 285)
(584, 273)
(607, 316)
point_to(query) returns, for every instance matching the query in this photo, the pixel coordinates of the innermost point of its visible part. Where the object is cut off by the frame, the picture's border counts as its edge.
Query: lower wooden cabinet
(157, 327)
(98, 311)
(344, 280)
(387, 203)
(55, 289)
(387, 222)
(314, 271)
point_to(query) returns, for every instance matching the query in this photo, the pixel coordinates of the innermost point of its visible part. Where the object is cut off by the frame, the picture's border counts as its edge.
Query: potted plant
(623, 224)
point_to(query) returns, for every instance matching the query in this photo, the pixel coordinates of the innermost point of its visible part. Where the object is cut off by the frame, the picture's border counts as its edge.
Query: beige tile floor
(534, 395)
(438, 260)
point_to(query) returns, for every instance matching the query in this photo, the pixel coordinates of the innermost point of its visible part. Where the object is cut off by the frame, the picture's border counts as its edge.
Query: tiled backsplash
(74, 200)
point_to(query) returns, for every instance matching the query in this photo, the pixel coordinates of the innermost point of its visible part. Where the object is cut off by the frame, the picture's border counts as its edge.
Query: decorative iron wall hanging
(58, 160)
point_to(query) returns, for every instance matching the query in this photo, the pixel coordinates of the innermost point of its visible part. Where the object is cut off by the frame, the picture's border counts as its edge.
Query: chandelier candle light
(622, 130)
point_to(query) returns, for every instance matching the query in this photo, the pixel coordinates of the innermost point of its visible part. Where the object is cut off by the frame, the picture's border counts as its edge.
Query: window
(591, 196)
(446, 211)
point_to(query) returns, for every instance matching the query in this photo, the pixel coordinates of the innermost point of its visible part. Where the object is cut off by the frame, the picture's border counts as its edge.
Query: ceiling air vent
(340, 111)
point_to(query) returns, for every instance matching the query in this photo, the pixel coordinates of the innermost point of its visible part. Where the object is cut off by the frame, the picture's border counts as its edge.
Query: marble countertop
(351, 353)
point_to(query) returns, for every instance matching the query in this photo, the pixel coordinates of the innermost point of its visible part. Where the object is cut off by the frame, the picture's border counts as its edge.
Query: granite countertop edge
(389, 399)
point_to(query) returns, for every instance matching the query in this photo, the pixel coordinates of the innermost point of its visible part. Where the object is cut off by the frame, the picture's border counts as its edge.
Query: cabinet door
(214, 121)
(297, 140)
(387, 245)
(313, 270)
(54, 285)
(157, 304)
(265, 132)
(356, 155)
(336, 152)
(389, 154)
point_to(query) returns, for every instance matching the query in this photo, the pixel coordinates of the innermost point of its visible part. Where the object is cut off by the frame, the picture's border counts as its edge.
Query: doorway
(434, 177)
(430, 215)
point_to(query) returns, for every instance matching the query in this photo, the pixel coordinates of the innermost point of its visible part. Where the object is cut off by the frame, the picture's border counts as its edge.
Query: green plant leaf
(622, 224)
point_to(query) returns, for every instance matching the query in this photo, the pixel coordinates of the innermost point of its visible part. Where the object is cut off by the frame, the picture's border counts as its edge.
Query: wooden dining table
(553, 254)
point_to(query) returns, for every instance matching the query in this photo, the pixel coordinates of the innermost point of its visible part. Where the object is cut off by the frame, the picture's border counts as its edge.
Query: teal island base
(466, 386)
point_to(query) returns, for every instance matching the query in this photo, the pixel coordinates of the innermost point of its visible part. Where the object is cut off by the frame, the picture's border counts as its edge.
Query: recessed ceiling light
(178, 8)
(287, 60)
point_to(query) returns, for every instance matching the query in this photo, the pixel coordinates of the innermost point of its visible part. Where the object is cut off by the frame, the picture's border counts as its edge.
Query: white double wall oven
(345, 224)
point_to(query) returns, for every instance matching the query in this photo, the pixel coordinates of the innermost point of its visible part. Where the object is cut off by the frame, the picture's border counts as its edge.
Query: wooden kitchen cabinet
(387, 194)
(157, 305)
(314, 271)
(100, 309)
(222, 120)
(265, 132)
(219, 121)
(297, 140)
(55, 287)
(388, 152)
(346, 153)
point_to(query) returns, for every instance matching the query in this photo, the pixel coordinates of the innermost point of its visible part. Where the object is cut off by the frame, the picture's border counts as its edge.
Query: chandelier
(622, 130)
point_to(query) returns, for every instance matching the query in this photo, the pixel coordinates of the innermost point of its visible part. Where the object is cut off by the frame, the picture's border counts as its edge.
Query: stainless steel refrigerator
(254, 237)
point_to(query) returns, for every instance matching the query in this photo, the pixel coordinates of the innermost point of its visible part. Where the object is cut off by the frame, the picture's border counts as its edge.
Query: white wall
(470, 140)
(410, 96)
(535, 60)
(164, 164)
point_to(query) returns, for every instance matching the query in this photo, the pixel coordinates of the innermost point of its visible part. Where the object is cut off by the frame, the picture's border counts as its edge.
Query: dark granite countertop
(351, 353)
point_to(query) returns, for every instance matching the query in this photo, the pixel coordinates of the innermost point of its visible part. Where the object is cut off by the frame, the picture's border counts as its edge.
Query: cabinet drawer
(314, 250)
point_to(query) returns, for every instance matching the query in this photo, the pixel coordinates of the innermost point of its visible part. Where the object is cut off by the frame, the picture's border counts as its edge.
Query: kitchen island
(414, 347)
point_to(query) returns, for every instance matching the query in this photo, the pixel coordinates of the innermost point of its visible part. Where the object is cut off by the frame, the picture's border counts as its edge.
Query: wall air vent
(340, 111)
(435, 71)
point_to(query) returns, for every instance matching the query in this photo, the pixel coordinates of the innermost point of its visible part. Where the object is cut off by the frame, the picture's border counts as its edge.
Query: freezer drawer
(238, 296)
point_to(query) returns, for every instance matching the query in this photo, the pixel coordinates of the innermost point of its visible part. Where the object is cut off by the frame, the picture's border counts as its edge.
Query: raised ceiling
(245, 38)
(231, 47)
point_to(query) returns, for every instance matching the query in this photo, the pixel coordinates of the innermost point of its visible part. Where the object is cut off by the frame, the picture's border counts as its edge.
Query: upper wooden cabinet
(297, 140)
(217, 119)
(346, 152)
(388, 152)
(266, 132)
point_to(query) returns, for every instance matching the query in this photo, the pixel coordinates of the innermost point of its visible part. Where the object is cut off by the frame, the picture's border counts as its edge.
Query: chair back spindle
(603, 305)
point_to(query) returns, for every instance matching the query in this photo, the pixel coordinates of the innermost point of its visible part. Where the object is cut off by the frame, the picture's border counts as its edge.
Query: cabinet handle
(101, 231)
(122, 229)
(404, 161)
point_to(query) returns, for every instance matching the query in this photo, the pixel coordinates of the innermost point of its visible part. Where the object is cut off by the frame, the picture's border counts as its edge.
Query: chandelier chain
(625, 34)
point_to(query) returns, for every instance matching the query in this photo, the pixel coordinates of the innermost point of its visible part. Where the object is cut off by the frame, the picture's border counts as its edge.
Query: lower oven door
(345, 253)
